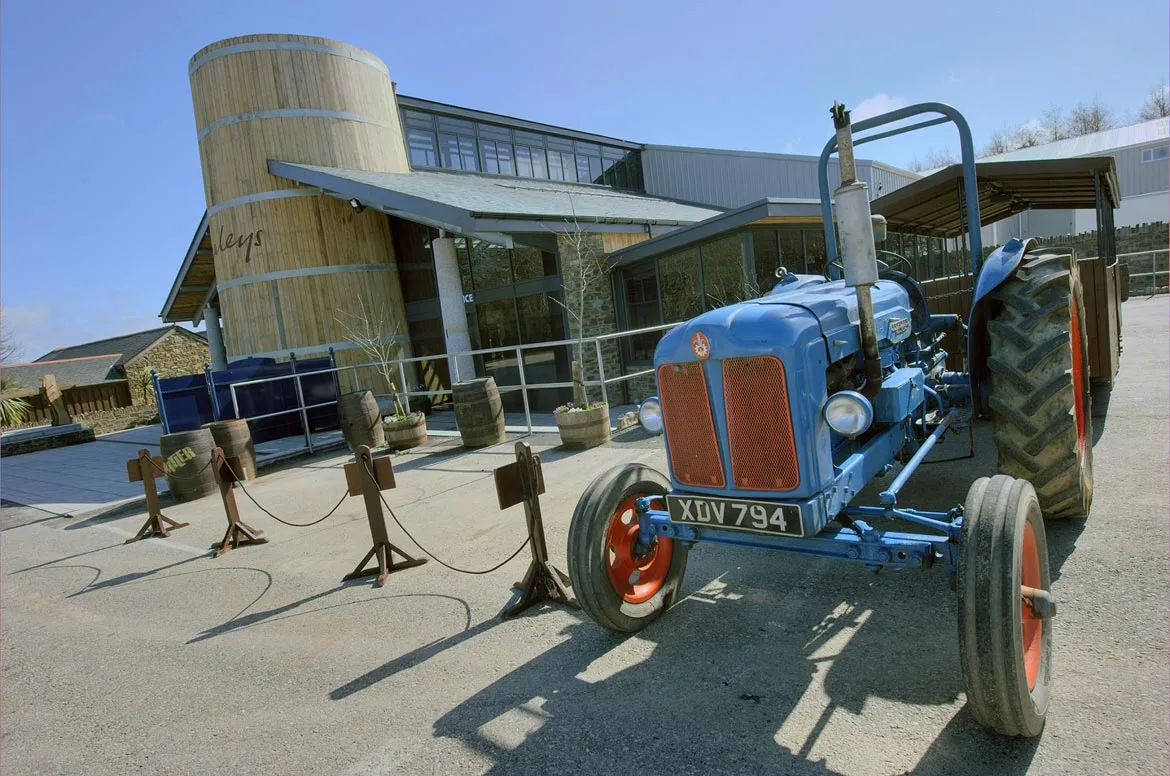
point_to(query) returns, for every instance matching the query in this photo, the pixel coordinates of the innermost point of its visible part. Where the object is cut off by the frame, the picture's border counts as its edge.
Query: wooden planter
(407, 433)
(584, 428)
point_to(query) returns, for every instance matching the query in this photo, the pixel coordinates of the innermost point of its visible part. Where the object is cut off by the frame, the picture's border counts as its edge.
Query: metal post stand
(146, 468)
(519, 482)
(367, 477)
(238, 532)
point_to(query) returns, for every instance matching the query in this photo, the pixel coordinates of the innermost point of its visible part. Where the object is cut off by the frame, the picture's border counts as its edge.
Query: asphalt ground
(155, 658)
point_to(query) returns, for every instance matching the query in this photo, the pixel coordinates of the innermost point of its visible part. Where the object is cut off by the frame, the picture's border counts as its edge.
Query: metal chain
(432, 556)
(240, 482)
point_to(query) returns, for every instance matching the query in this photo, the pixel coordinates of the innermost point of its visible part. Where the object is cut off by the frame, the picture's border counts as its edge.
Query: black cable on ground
(445, 565)
(279, 520)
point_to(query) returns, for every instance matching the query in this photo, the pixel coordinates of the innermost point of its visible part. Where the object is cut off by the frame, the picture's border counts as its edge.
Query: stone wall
(106, 421)
(177, 353)
(72, 436)
(599, 316)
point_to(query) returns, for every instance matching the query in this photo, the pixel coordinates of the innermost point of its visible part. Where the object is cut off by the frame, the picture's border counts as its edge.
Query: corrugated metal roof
(487, 196)
(68, 372)
(1092, 145)
(128, 345)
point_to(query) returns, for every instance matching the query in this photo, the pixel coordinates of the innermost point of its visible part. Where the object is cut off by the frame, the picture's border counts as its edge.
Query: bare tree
(10, 350)
(1027, 135)
(579, 279)
(1157, 103)
(1000, 142)
(1087, 118)
(1053, 126)
(934, 159)
(371, 327)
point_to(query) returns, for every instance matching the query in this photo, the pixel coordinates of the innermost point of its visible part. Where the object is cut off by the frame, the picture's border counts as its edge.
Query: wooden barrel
(187, 463)
(479, 412)
(291, 264)
(235, 438)
(584, 429)
(405, 434)
(361, 421)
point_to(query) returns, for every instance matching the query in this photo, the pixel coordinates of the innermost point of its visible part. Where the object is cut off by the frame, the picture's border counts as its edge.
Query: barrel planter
(583, 428)
(404, 434)
(187, 463)
(235, 439)
(361, 420)
(479, 412)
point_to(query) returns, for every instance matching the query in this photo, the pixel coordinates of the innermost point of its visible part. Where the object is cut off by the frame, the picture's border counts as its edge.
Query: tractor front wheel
(1004, 647)
(1039, 396)
(622, 586)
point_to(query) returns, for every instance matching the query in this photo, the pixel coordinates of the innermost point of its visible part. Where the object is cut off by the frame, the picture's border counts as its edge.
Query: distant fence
(81, 399)
(189, 401)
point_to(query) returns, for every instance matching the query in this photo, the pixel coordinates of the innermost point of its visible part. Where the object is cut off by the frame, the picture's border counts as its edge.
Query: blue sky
(100, 187)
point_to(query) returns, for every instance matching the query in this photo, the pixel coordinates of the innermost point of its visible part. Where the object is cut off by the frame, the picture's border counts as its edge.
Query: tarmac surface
(155, 658)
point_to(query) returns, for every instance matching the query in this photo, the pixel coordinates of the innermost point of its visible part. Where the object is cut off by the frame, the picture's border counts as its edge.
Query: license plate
(737, 514)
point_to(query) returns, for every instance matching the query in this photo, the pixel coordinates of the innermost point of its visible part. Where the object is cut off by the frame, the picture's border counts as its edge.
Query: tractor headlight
(848, 413)
(650, 415)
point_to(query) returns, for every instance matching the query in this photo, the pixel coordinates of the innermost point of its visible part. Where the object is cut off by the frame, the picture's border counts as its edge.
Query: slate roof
(68, 372)
(127, 346)
(493, 196)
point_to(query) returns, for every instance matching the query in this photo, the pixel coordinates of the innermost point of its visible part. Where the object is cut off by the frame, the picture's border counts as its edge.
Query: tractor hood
(802, 309)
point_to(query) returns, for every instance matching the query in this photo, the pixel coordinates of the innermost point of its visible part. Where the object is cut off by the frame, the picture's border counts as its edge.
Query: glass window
(679, 280)
(583, 174)
(422, 148)
(530, 162)
(530, 263)
(642, 311)
(455, 126)
(490, 265)
(542, 320)
(497, 156)
(457, 152)
(766, 250)
(555, 170)
(792, 251)
(723, 279)
(416, 119)
(595, 169)
(814, 251)
(1155, 154)
(415, 263)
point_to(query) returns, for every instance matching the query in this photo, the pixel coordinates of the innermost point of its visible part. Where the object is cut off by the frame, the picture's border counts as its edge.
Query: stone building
(113, 369)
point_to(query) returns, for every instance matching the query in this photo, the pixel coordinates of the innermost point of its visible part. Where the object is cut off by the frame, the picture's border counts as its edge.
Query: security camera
(357, 205)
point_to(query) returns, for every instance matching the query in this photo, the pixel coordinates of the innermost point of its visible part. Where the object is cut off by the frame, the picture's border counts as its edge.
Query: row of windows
(458, 144)
(1155, 154)
(678, 286)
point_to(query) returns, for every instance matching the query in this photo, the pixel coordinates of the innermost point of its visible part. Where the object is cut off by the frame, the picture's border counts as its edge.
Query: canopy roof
(934, 205)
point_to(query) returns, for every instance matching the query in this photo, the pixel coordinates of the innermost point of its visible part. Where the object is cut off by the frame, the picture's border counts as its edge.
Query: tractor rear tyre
(1005, 651)
(1039, 395)
(620, 589)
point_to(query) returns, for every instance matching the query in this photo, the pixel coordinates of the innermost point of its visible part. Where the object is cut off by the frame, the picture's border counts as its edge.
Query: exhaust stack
(858, 252)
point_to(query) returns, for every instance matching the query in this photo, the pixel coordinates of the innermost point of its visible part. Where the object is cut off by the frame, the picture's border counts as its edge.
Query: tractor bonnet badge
(701, 345)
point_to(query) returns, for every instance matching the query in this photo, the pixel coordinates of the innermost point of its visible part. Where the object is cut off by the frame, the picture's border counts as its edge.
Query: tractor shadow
(774, 665)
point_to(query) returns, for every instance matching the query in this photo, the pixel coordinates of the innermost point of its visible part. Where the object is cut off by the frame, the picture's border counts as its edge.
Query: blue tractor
(779, 411)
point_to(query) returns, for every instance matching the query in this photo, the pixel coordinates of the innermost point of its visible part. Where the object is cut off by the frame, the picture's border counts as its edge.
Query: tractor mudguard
(998, 267)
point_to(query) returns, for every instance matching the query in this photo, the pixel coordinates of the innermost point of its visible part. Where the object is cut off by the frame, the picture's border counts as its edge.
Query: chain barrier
(432, 555)
(240, 482)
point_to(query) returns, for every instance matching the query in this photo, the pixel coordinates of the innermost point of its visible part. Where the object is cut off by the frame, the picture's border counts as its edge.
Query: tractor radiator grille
(759, 425)
(690, 429)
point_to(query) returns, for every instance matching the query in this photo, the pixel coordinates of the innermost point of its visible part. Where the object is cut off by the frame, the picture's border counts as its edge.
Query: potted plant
(582, 426)
(405, 430)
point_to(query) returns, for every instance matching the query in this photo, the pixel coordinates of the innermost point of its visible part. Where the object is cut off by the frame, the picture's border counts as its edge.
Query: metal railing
(1154, 271)
(524, 386)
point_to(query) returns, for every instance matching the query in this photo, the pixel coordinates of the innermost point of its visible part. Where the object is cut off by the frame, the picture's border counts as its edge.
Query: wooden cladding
(307, 100)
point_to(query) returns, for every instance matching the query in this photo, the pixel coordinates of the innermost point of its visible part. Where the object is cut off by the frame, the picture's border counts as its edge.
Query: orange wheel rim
(1032, 627)
(1078, 378)
(635, 578)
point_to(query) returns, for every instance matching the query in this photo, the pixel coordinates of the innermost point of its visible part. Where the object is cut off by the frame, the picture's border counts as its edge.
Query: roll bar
(970, 185)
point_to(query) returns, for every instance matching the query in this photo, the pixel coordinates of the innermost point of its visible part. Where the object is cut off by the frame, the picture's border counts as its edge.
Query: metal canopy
(934, 205)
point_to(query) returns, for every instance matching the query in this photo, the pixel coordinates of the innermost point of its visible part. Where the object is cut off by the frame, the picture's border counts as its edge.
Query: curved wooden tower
(292, 265)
